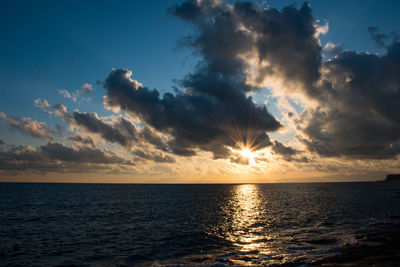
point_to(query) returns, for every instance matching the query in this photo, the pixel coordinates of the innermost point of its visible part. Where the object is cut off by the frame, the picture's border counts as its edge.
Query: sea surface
(245, 224)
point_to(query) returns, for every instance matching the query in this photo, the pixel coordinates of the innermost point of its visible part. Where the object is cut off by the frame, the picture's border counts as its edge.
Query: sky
(205, 91)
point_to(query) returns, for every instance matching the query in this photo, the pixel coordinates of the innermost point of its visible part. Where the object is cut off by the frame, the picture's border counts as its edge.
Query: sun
(247, 153)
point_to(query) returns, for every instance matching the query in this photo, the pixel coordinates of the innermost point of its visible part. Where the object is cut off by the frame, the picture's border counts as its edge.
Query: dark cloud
(60, 152)
(194, 119)
(381, 39)
(154, 156)
(123, 132)
(58, 157)
(281, 149)
(120, 131)
(2, 142)
(214, 111)
(288, 153)
(286, 40)
(188, 11)
(198, 12)
(358, 114)
(82, 140)
(28, 126)
(149, 136)
(356, 95)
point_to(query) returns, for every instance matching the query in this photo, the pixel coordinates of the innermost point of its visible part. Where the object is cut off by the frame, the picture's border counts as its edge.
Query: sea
(298, 224)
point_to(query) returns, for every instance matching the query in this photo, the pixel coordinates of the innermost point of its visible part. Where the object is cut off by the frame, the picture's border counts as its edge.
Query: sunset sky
(202, 91)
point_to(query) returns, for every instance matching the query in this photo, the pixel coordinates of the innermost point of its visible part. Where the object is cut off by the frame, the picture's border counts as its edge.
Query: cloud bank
(56, 157)
(243, 48)
(349, 100)
(357, 94)
(358, 113)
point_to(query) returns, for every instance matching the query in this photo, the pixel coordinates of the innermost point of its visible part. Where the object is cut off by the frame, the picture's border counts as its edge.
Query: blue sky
(58, 45)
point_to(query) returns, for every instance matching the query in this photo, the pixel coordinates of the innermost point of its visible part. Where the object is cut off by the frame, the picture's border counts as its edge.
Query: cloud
(214, 111)
(321, 29)
(86, 88)
(381, 38)
(151, 137)
(156, 157)
(2, 142)
(58, 109)
(351, 100)
(348, 104)
(87, 140)
(239, 159)
(281, 149)
(194, 119)
(287, 153)
(288, 52)
(28, 126)
(358, 113)
(56, 157)
(120, 131)
(60, 152)
(188, 10)
(331, 50)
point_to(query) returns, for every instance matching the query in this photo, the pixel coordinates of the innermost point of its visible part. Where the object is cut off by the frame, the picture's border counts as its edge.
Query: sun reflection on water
(247, 225)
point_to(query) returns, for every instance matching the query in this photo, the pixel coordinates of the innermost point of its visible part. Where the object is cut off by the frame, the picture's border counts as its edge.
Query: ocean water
(146, 225)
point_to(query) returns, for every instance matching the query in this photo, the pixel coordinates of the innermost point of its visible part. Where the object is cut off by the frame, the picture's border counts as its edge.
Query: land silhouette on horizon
(392, 177)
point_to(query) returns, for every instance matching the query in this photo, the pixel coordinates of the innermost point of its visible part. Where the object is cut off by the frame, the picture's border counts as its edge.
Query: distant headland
(392, 177)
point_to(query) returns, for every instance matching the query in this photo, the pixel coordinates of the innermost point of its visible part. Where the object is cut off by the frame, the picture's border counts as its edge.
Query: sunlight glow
(247, 153)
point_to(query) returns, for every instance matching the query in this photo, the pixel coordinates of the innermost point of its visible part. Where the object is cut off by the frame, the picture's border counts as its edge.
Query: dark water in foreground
(130, 225)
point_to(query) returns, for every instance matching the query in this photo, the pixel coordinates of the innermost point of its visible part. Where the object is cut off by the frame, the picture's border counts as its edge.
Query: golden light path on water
(250, 227)
(247, 223)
